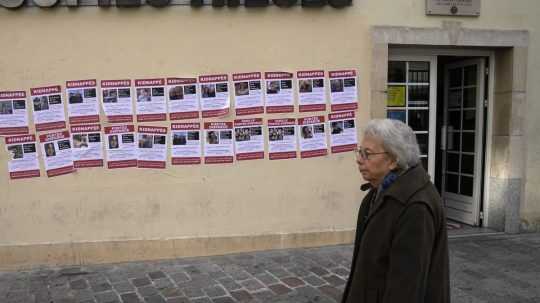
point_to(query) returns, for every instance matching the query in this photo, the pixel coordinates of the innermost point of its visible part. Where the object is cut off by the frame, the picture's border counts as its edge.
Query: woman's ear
(393, 164)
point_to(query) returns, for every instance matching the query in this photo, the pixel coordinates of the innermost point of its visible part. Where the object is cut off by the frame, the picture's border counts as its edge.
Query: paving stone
(279, 272)
(130, 298)
(252, 285)
(178, 300)
(155, 299)
(334, 280)
(123, 287)
(156, 275)
(78, 284)
(299, 271)
(215, 291)
(201, 300)
(147, 291)
(319, 271)
(106, 297)
(292, 282)
(138, 282)
(264, 295)
(314, 281)
(171, 292)
(340, 271)
(229, 284)
(191, 292)
(180, 277)
(331, 291)
(266, 279)
(223, 300)
(101, 287)
(163, 283)
(279, 289)
(241, 295)
(83, 295)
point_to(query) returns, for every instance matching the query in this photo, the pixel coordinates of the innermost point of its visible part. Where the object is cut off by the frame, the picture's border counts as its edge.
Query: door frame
(412, 52)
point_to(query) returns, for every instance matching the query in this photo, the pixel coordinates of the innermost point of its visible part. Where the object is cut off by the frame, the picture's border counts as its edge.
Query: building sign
(453, 7)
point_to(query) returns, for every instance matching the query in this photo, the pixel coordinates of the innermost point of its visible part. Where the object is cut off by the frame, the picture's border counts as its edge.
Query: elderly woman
(401, 248)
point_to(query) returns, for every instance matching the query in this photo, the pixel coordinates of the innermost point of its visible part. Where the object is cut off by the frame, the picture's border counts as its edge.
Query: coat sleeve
(410, 255)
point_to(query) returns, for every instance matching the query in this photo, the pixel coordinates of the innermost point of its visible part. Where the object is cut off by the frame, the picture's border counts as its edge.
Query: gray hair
(398, 139)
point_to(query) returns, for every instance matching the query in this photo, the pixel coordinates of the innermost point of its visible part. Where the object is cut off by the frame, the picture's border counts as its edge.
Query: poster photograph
(13, 113)
(312, 137)
(279, 92)
(183, 98)
(343, 90)
(121, 150)
(215, 98)
(248, 94)
(218, 145)
(23, 158)
(248, 139)
(57, 154)
(48, 108)
(311, 92)
(186, 143)
(152, 147)
(151, 103)
(87, 146)
(282, 143)
(116, 100)
(343, 135)
(82, 101)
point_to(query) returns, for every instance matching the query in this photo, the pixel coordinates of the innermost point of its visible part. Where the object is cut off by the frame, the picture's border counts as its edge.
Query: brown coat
(401, 247)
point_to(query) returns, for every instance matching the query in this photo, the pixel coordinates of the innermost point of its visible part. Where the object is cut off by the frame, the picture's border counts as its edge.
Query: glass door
(462, 139)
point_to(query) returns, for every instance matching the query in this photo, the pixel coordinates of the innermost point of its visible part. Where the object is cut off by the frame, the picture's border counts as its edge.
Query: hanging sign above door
(453, 7)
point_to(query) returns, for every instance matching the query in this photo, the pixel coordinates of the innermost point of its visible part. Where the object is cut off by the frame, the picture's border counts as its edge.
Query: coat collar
(407, 184)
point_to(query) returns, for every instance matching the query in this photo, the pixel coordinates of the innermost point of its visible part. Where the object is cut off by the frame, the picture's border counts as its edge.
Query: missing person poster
(56, 150)
(248, 139)
(312, 137)
(13, 113)
(23, 161)
(279, 92)
(343, 137)
(311, 92)
(120, 146)
(218, 147)
(152, 151)
(248, 94)
(83, 104)
(343, 90)
(282, 139)
(48, 108)
(215, 99)
(151, 103)
(116, 100)
(87, 145)
(183, 98)
(186, 143)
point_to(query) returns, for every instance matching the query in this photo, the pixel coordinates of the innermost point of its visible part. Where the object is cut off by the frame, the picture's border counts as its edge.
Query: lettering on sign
(453, 7)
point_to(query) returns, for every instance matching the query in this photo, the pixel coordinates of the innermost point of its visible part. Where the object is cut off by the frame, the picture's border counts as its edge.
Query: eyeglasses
(364, 154)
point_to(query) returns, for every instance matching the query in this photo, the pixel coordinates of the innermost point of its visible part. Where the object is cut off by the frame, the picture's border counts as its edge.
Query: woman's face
(376, 166)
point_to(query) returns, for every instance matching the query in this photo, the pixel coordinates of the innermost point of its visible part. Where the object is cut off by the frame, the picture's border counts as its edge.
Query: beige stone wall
(293, 197)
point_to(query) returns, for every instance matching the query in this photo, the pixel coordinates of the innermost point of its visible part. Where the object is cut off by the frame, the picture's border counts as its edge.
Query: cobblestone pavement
(483, 269)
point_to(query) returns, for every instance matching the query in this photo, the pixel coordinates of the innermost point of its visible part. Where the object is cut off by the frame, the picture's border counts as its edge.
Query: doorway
(443, 96)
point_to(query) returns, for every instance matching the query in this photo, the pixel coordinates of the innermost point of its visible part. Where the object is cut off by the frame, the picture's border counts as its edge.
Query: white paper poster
(215, 98)
(56, 151)
(23, 160)
(282, 139)
(183, 98)
(152, 151)
(248, 139)
(86, 141)
(279, 92)
(120, 146)
(116, 100)
(343, 90)
(13, 113)
(248, 94)
(186, 143)
(343, 136)
(218, 146)
(48, 108)
(311, 92)
(151, 103)
(83, 104)
(312, 137)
